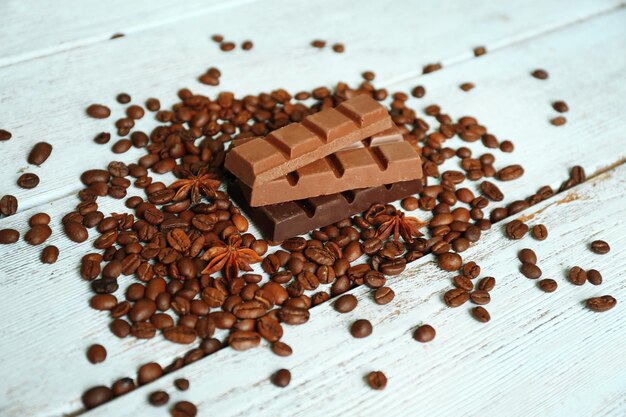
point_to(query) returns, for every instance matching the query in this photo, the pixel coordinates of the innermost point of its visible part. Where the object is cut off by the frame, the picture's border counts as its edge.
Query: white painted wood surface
(45, 349)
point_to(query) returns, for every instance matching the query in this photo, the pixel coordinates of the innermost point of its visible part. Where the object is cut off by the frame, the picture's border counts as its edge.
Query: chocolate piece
(298, 144)
(281, 221)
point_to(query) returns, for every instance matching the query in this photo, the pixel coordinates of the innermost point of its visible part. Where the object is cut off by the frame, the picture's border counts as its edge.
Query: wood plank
(499, 99)
(529, 360)
(47, 97)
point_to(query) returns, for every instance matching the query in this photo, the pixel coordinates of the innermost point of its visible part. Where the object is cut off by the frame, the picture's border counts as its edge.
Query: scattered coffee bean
(507, 146)
(318, 43)
(75, 231)
(361, 328)
(96, 354)
(449, 261)
(463, 282)
(594, 277)
(281, 378)
(281, 349)
(149, 372)
(577, 275)
(8, 205)
(456, 297)
(410, 203)
(182, 384)
(50, 254)
(383, 295)
(339, 48)
(123, 98)
(548, 285)
(487, 284)
(244, 340)
(153, 104)
(346, 303)
(102, 138)
(217, 38)
(510, 173)
(558, 121)
(123, 386)
(158, 398)
(529, 270)
(40, 152)
(527, 256)
(424, 333)
(135, 112)
(5, 135)
(491, 191)
(560, 106)
(98, 111)
(9, 236)
(96, 396)
(481, 314)
(540, 232)
(431, 68)
(480, 297)
(247, 45)
(39, 219)
(28, 181)
(377, 380)
(418, 92)
(601, 304)
(540, 74)
(38, 234)
(480, 50)
(184, 409)
(227, 46)
(600, 247)
(516, 229)
(467, 86)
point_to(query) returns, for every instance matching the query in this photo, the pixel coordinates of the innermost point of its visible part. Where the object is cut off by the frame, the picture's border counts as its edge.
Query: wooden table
(541, 355)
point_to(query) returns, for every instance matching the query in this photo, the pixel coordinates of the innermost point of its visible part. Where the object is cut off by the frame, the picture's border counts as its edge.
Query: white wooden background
(542, 354)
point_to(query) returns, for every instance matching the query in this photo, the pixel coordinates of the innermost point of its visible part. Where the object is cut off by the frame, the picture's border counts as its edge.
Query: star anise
(229, 257)
(398, 225)
(203, 183)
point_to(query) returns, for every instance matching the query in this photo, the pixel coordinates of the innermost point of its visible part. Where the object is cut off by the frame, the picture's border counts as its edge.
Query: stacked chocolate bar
(333, 164)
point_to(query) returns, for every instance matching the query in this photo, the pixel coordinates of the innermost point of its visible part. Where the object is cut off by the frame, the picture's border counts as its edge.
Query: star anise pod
(229, 257)
(398, 225)
(203, 183)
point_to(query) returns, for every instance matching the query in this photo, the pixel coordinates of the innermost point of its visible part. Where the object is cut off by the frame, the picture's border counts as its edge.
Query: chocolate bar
(284, 220)
(291, 147)
(344, 170)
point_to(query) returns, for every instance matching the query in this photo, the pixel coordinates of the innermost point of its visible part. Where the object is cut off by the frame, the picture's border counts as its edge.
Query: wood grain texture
(44, 338)
(48, 100)
(541, 354)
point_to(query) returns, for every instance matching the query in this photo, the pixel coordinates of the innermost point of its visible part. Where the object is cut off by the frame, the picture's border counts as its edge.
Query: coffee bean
(491, 191)
(377, 380)
(244, 340)
(5, 135)
(123, 386)
(600, 247)
(319, 255)
(120, 328)
(135, 112)
(487, 284)
(148, 373)
(531, 271)
(558, 121)
(516, 229)
(339, 48)
(560, 106)
(103, 302)
(281, 349)
(480, 50)
(184, 409)
(577, 275)
(95, 396)
(75, 231)
(449, 261)
(418, 92)
(123, 98)
(39, 218)
(480, 297)
(96, 354)
(467, 86)
(38, 234)
(431, 68)
(394, 267)
(548, 285)
(8, 205)
(247, 45)
(345, 303)
(28, 181)
(456, 297)
(594, 277)
(40, 152)
(601, 304)
(281, 378)
(540, 232)
(527, 256)
(424, 333)
(182, 384)
(471, 270)
(9, 236)
(98, 111)
(383, 295)
(293, 315)
(510, 172)
(158, 398)
(50, 254)
(463, 283)
(361, 328)
(540, 74)
(153, 104)
(481, 314)
(102, 138)
(217, 38)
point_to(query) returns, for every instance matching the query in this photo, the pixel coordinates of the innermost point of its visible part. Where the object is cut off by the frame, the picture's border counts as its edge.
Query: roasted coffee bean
(594, 277)
(481, 314)
(149, 372)
(182, 384)
(394, 267)
(577, 275)
(560, 106)
(244, 340)
(158, 398)
(456, 297)
(319, 255)
(95, 396)
(383, 295)
(471, 270)
(516, 229)
(103, 302)
(293, 315)
(9, 236)
(600, 247)
(480, 297)
(294, 244)
(548, 285)
(527, 256)
(424, 333)
(346, 303)
(540, 232)
(184, 409)
(28, 181)
(143, 330)
(96, 354)
(281, 349)
(98, 111)
(102, 138)
(123, 386)
(75, 231)
(38, 234)
(120, 328)
(40, 153)
(449, 261)
(50, 254)
(8, 205)
(540, 74)
(558, 121)
(361, 328)
(339, 48)
(374, 279)
(463, 282)
(529, 270)
(377, 380)
(281, 378)
(491, 191)
(601, 304)
(487, 284)
(180, 334)
(510, 172)
(418, 92)
(5, 135)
